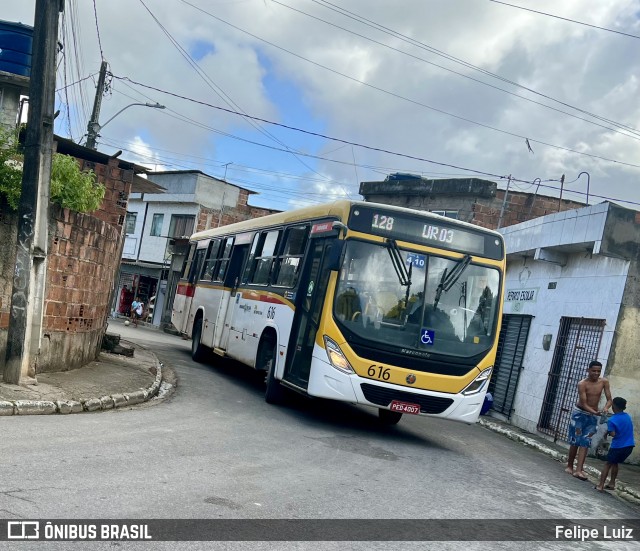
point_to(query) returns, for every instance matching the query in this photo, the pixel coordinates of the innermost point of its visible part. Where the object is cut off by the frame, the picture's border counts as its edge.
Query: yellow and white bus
(384, 306)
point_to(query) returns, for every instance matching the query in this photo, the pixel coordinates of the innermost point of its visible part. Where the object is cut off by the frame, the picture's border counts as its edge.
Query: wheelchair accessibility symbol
(427, 337)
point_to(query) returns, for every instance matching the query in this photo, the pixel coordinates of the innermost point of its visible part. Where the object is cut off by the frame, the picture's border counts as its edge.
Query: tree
(71, 187)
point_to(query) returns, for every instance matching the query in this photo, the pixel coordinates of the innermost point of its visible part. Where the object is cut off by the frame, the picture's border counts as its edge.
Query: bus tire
(389, 417)
(274, 393)
(198, 351)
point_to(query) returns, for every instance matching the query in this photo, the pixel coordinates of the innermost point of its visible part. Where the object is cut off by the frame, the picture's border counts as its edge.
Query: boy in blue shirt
(620, 427)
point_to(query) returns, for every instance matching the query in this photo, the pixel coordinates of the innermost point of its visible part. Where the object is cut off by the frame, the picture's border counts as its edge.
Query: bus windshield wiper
(404, 276)
(449, 280)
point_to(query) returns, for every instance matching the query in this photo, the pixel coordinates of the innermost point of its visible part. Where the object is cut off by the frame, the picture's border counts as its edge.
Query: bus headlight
(336, 358)
(478, 383)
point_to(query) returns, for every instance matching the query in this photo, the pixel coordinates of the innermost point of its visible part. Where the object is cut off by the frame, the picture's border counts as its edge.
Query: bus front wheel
(198, 352)
(389, 417)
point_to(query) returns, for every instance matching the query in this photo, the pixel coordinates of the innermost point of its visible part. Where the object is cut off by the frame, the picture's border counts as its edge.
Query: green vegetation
(71, 187)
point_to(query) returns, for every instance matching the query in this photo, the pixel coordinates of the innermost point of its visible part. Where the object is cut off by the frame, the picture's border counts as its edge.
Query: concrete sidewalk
(110, 382)
(627, 484)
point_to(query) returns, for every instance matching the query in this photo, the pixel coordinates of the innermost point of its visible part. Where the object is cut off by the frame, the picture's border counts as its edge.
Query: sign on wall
(517, 297)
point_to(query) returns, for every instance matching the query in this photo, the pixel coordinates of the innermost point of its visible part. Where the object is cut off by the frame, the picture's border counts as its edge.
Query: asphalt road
(216, 450)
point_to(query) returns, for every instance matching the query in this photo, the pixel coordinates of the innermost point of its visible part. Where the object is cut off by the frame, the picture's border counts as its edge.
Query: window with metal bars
(578, 343)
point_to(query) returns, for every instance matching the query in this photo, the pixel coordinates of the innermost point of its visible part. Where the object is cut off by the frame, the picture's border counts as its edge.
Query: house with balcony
(157, 230)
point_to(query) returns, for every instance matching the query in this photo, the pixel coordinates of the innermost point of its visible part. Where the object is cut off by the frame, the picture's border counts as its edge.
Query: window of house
(220, 270)
(181, 225)
(448, 213)
(290, 259)
(262, 257)
(211, 259)
(130, 223)
(156, 224)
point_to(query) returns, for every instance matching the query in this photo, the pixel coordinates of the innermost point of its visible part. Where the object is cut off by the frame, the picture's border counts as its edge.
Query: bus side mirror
(334, 256)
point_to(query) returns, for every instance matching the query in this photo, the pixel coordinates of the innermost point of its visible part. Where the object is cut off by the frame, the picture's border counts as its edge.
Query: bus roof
(337, 209)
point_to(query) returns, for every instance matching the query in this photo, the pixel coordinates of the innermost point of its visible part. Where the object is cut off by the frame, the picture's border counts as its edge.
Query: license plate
(405, 407)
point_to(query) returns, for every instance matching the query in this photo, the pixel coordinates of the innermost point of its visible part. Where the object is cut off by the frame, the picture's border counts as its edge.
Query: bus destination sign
(427, 231)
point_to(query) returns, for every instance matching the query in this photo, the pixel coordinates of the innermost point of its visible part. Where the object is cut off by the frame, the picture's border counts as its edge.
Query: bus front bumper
(326, 381)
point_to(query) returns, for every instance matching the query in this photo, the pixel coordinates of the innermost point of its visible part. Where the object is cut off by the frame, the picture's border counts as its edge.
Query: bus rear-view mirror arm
(334, 257)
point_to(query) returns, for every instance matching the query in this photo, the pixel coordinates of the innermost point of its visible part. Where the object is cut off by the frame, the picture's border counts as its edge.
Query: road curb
(65, 407)
(625, 492)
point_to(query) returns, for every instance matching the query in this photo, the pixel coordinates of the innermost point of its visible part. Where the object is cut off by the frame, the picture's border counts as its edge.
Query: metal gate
(578, 343)
(511, 347)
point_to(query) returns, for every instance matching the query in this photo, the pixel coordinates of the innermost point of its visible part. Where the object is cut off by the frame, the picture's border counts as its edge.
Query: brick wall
(82, 262)
(519, 207)
(476, 201)
(117, 182)
(211, 218)
(83, 259)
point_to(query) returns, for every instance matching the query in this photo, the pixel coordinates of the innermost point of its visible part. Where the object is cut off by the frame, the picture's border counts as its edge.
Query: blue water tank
(16, 41)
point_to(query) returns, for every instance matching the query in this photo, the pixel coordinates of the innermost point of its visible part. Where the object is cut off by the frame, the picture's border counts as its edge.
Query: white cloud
(578, 65)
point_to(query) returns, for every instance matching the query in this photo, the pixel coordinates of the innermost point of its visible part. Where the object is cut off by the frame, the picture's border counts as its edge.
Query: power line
(540, 184)
(565, 19)
(405, 38)
(95, 13)
(178, 116)
(276, 191)
(75, 82)
(218, 90)
(418, 103)
(74, 38)
(468, 65)
(324, 136)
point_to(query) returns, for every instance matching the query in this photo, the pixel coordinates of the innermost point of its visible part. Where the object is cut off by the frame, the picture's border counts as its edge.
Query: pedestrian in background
(620, 427)
(137, 309)
(584, 419)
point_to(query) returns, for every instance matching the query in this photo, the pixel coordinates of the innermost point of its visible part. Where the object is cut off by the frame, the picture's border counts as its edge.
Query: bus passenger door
(228, 304)
(189, 289)
(309, 302)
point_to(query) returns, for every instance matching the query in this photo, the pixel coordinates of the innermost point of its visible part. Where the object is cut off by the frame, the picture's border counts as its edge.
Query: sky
(301, 100)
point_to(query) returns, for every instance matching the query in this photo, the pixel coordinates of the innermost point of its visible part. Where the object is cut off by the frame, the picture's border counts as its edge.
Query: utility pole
(93, 126)
(504, 203)
(25, 317)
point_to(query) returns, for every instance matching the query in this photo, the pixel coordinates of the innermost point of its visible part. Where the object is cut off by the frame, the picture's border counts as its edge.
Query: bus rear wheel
(389, 417)
(274, 393)
(198, 351)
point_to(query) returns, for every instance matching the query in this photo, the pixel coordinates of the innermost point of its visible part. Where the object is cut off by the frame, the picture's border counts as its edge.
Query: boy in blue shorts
(584, 418)
(620, 427)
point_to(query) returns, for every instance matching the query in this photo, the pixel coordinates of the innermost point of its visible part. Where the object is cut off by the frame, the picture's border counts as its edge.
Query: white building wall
(578, 293)
(212, 193)
(153, 247)
(132, 241)
(588, 285)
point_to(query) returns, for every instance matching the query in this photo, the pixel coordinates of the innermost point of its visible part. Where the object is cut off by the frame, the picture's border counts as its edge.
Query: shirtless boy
(584, 419)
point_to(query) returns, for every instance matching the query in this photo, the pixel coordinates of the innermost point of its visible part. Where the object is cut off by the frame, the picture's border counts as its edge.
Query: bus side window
(262, 257)
(196, 265)
(187, 263)
(210, 261)
(290, 258)
(220, 269)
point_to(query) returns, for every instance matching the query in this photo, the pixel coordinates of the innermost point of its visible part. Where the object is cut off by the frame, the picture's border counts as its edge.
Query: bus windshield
(417, 302)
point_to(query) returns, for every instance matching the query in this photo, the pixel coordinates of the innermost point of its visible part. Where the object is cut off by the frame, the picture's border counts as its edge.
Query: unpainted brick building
(473, 200)
(83, 258)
